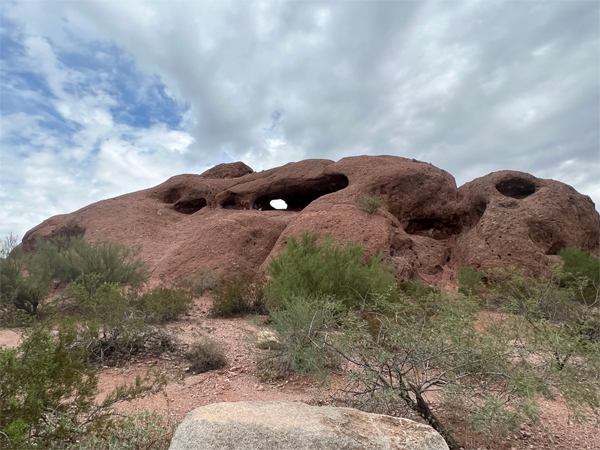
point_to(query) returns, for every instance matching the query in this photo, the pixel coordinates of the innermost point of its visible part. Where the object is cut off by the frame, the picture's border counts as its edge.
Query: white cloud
(471, 87)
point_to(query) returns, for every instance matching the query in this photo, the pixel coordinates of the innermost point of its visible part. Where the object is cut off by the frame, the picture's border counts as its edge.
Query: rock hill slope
(222, 220)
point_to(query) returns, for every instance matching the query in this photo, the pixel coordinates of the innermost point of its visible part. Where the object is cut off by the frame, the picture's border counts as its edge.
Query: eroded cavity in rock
(516, 187)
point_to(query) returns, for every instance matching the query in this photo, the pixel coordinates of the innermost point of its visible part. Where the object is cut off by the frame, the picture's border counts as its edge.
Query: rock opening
(518, 188)
(278, 204)
(190, 206)
(296, 193)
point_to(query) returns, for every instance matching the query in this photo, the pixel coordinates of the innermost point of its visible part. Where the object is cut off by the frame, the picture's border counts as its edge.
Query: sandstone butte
(222, 220)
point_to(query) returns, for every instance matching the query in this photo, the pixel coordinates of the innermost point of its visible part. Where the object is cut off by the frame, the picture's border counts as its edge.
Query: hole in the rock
(190, 206)
(278, 204)
(555, 248)
(298, 194)
(433, 228)
(518, 188)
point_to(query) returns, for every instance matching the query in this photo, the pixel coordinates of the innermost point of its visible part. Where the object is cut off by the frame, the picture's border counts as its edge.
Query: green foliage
(205, 355)
(26, 279)
(162, 304)
(23, 292)
(301, 327)
(143, 431)
(470, 281)
(48, 392)
(238, 295)
(65, 259)
(311, 269)
(580, 263)
(493, 373)
(370, 203)
(116, 327)
(582, 268)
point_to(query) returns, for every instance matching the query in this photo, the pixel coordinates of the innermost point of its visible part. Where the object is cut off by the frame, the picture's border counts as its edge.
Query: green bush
(114, 327)
(300, 327)
(205, 355)
(307, 268)
(65, 259)
(494, 373)
(370, 203)
(23, 292)
(580, 264)
(238, 295)
(162, 304)
(470, 281)
(48, 392)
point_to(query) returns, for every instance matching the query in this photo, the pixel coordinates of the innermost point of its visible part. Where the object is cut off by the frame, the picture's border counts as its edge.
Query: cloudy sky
(101, 98)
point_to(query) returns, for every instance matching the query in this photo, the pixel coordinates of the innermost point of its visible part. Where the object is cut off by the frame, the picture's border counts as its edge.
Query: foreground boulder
(222, 220)
(297, 426)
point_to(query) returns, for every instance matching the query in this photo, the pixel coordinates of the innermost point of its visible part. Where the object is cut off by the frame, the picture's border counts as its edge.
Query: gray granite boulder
(297, 426)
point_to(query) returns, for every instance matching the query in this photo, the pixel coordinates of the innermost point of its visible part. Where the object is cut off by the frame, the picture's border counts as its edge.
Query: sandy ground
(241, 380)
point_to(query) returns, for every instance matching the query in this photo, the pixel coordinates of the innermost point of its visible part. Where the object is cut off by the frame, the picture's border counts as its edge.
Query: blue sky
(103, 98)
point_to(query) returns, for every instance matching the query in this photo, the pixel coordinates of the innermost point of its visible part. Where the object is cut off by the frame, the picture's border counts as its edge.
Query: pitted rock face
(223, 219)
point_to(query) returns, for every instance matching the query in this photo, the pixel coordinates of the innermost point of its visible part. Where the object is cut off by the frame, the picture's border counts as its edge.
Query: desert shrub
(205, 355)
(301, 327)
(308, 268)
(494, 374)
(238, 295)
(65, 259)
(162, 304)
(580, 263)
(470, 281)
(198, 283)
(23, 292)
(582, 269)
(116, 327)
(370, 203)
(48, 391)
(142, 431)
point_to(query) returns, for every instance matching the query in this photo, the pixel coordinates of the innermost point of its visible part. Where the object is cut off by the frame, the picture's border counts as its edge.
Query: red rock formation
(222, 220)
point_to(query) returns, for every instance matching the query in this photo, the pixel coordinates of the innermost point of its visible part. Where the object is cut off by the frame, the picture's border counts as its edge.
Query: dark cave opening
(299, 194)
(190, 206)
(515, 187)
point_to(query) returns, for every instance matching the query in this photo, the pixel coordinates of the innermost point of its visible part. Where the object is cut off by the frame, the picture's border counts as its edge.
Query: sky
(102, 98)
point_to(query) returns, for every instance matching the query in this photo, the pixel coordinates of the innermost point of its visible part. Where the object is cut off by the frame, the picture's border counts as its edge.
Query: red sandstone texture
(222, 220)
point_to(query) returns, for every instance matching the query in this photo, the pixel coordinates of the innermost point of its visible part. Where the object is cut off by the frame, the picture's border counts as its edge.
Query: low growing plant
(370, 203)
(48, 391)
(470, 281)
(319, 269)
(238, 295)
(205, 355)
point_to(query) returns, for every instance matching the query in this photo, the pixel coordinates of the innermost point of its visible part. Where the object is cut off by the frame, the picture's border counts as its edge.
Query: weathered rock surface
(297, 426)
(222, 219)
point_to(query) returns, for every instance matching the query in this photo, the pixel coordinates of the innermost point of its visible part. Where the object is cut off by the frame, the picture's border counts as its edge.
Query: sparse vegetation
(470, 281)
(142, 431)
(311, 268)
(205, 355)
(370, 203)
(403, 342)
(198, 283)
(48, 390)
(239, 295)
